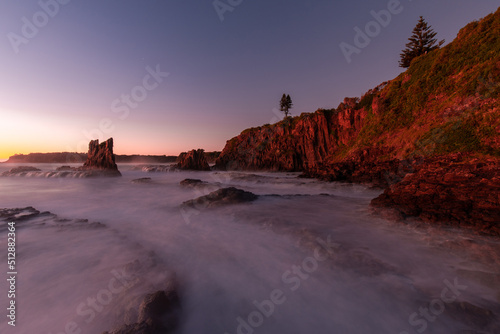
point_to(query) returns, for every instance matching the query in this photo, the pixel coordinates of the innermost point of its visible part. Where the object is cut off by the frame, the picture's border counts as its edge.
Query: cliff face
(447, 102)
(294, 144)
(405, 134)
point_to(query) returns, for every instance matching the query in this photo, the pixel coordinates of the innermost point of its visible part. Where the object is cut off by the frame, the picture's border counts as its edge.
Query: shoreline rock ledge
(100, 159)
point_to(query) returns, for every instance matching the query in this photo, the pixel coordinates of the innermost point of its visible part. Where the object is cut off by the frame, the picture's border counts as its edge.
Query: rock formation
(458, 190)
(193, 160)
(193, 183)
(21, 171)
(444, 104)
(295, 144)
(100, 159)
(224, 196)
(100, 156)
(158, 314)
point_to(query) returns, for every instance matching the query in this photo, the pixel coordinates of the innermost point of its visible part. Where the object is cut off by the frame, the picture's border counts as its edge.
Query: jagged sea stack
(100, 159)
(193, 160)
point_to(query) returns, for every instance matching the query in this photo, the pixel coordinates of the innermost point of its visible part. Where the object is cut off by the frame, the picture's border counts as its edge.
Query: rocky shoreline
(430, 137)
(451, 190)
(100, 162)
(454, 190)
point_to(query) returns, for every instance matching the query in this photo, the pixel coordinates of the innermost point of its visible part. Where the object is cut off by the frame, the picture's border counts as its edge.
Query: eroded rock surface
(456, 190)
(159, 313)
(224, 196)
(100, 159)
(193, 160)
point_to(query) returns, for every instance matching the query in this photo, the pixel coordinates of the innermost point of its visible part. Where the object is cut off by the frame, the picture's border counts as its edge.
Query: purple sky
(163, 77)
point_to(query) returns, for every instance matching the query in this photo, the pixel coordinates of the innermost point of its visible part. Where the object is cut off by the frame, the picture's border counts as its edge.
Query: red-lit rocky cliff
(405, 133)
(295, 144)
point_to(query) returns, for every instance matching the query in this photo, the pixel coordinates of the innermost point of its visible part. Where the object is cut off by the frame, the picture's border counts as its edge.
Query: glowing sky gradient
(224, 76)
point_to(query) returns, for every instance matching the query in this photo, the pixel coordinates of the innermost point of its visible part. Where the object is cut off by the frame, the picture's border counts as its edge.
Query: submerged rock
(224, 196)
(21, 171)
(193, 160)
(193, 183)
(29, 216)
(474, 316)
(65, 168)
(143, 180)
(154, 168)
(159, 313)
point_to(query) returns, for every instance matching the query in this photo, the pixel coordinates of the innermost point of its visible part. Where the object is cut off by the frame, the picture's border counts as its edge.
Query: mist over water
(315, 248)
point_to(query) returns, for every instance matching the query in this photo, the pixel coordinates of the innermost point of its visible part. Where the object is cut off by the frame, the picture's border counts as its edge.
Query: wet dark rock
(20, 171)
(159, 313)
(193, 183)
(29, 216)
(19, 214)
(224, 196)
(65, 168)
(474, 316)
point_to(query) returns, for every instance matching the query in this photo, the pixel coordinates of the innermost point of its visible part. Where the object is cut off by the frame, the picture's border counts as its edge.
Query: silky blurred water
(372, 275)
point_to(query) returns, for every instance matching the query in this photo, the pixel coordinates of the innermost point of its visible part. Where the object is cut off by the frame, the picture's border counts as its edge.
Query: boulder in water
(158, 314)
(193, 183)
(224, 196)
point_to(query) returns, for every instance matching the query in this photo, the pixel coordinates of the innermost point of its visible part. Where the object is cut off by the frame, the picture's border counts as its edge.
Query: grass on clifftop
(447, 101)
(462, 77)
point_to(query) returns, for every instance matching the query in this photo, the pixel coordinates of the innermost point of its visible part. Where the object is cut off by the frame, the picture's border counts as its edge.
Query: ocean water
(306, 257)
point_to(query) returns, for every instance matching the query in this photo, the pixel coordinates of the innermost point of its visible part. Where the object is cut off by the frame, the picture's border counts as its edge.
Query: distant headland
(74, 157)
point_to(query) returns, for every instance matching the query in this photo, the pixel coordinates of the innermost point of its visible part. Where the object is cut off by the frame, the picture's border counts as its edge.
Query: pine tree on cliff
(286, 104)
(421, 41)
